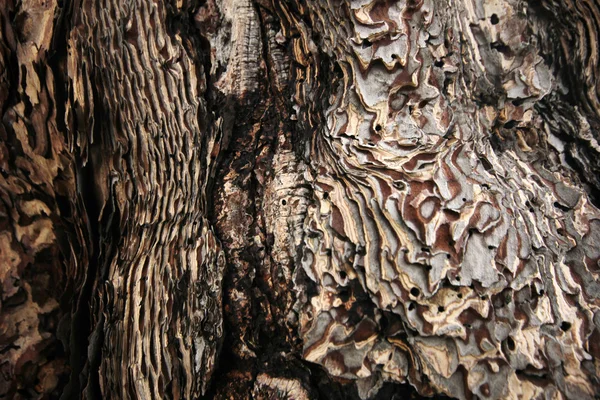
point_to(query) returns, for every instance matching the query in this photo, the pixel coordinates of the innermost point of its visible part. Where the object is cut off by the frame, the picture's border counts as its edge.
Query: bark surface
(248, 199)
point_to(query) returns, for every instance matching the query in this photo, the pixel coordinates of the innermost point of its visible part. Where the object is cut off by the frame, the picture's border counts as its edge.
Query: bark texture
(252, 199)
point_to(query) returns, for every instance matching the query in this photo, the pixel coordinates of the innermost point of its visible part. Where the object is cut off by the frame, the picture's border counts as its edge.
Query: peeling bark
(299, 199)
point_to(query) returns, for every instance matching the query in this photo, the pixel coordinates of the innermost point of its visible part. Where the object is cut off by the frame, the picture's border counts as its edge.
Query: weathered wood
(299, 199)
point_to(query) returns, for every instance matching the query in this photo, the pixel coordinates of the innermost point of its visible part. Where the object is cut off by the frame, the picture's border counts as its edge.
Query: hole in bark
(491, 247)
(325, 195)
(560, 231)
(438, 63)
(441, 309)
(518, 102)
(425, 249)
(342, 275)
(464, 199)
(415, 292)
(405, 251)
(561, 207)
(510, 343)
(366, 43)
(485, 389)
(565, 326)
(511, 124)
(494, 19)
(411, 306)
(460, 296)
(501, 48)
(399, 184)
(283, 202)
(485, 186)
(457, 278)
(344, 294)
(486, 164)
(378, 127)
(448, 256)
(394, 56)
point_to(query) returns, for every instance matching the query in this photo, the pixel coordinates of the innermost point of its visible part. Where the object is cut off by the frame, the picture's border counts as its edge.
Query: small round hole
(411, 306)
(377, 127)
(441, 309)
(565, 326)
(325, 195)
(494, 19)
(283, 202)
(415, 292)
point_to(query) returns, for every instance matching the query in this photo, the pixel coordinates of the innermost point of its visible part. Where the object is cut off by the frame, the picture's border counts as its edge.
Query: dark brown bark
(299, 199)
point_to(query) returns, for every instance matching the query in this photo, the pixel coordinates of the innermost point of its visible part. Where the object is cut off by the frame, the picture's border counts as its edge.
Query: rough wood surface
(341, 199)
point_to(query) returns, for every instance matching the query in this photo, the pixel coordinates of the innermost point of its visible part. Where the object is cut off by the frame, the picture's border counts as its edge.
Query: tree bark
(339, 199)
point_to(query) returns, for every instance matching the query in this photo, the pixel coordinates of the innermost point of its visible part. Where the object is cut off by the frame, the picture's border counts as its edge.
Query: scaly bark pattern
(43, 233)
(448, 244)
(136, 101)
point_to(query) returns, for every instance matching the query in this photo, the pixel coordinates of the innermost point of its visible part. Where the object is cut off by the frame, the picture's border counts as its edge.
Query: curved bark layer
(299, 199)
(447, 245)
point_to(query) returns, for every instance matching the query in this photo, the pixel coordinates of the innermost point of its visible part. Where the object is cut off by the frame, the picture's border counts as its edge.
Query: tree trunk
(252, 199)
